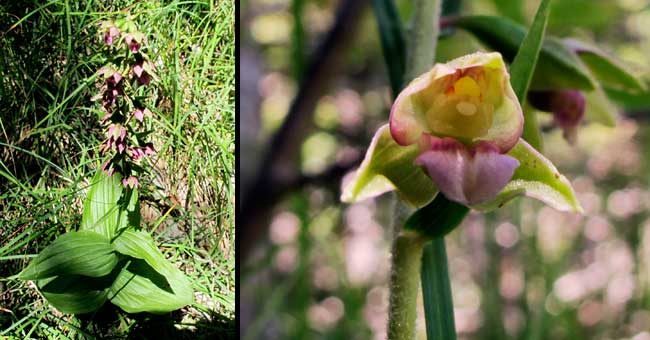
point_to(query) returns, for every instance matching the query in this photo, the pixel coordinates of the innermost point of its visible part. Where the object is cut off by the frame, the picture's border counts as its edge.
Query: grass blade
(391, 34)
(523, 66)
(436, 292)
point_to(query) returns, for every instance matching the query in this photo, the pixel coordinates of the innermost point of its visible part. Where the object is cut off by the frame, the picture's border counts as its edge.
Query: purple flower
(465, 117)
(110, 34)
(116, 138)
(567, 106)
(132, 42)
(140, 71)
(138, 114)
(136, 153)
(130, 182)
(149, 149)
(108, 168)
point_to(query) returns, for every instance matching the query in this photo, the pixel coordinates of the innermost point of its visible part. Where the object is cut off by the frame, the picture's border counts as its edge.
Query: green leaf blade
(392, 41)
(608, 70)
(436, 288)
(149, 283)
(101, 211)
(76, 294)
(523, 67)
(557, 66)
(75, 253)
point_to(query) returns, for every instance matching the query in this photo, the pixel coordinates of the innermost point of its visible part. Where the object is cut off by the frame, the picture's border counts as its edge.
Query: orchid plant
(462, 136)
(110, 259)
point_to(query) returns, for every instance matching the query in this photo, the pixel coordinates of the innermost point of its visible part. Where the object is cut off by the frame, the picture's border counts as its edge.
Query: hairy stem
(407, 246)
(404, 284)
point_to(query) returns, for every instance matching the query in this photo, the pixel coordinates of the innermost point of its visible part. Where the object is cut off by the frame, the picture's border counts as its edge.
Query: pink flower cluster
(125, 112)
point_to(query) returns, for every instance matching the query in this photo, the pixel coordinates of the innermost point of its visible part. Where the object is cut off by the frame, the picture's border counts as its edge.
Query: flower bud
(567, 106)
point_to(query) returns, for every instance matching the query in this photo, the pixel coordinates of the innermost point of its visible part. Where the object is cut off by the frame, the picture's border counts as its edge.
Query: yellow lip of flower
(469, 98)
(467, 86)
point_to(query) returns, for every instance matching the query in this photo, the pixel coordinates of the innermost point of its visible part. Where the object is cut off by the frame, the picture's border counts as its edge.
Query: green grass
(49, 138)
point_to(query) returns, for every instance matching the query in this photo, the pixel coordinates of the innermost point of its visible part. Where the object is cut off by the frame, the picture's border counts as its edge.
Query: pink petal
(139, 115)
(467, 175)
(117, 77)
(137, 69)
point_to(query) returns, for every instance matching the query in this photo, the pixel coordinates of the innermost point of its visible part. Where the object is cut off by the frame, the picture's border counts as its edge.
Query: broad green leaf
(83, 253)
(557, 67)
(599, 108)
(535, 177)
(140, 245)
(523, 67)
(605, 68)
(76, 294)
(101, 211)
(104, 212)
(149, 283)
(387, 166)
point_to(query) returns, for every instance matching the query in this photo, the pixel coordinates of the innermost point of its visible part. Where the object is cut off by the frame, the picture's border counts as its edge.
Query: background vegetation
(49, 140)
(316, 268)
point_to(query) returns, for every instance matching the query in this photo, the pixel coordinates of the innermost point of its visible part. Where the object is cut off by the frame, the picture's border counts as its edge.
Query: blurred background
(314, 88)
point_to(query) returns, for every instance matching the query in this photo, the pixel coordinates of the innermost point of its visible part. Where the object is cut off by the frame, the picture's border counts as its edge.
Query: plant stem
(404, 284)
(407, 246)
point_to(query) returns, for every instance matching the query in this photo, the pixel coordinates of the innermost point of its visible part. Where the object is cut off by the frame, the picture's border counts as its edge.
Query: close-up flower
(465, 117)
(133, 41)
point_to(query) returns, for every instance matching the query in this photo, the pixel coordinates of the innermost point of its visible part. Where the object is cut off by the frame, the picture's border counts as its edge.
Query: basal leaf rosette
(457, 128)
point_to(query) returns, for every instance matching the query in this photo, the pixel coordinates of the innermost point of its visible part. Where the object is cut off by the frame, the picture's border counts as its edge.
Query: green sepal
(149, 283)
(75, 253)
(538, 178)
(389, 166)
(557, 66)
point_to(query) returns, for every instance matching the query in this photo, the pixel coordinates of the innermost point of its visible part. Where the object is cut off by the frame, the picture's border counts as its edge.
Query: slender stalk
(407, 246)
(404, 284)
